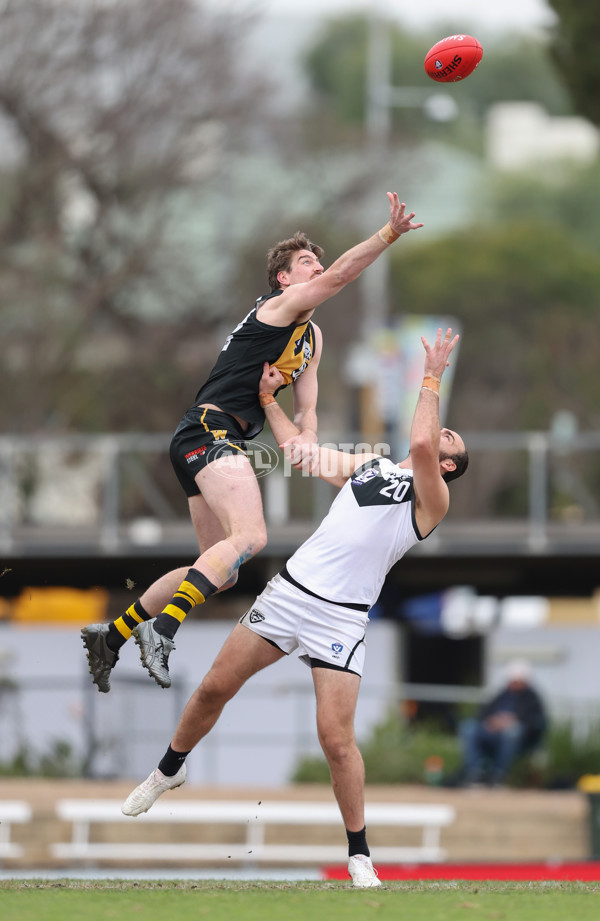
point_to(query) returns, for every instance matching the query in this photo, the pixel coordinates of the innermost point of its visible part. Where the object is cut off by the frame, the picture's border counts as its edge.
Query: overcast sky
(492, 15)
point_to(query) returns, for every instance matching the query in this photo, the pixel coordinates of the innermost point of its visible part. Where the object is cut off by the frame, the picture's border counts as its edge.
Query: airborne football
(453, 58)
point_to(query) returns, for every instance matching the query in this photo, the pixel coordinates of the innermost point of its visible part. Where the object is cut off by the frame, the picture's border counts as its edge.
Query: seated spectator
(512, 723)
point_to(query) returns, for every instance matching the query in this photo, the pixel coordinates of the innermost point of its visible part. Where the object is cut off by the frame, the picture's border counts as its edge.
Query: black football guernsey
(232, 385)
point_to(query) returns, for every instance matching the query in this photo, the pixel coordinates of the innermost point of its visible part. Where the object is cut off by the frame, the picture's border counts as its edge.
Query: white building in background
(521, 135)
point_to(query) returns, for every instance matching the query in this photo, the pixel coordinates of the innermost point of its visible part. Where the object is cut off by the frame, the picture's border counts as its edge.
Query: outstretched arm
(430, 489)
(299, 299)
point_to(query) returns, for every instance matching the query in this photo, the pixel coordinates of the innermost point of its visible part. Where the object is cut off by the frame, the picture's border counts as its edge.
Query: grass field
(224, 900)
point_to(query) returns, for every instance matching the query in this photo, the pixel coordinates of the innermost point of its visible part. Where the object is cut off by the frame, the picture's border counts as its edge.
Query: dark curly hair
(278, 257)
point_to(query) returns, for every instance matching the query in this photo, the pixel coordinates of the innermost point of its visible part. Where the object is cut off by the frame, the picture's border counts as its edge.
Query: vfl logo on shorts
(337, 648)
(256, 616)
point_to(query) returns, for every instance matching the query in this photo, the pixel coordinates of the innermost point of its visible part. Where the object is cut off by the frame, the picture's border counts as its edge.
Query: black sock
(357, 842)
(194, 589)
(120, 629)
(171, 761)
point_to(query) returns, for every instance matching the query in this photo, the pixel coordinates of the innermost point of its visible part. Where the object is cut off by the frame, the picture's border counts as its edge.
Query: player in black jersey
(318, 605)
(208, 447)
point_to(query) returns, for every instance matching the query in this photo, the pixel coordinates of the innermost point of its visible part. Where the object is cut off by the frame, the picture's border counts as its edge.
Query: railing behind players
(116, 493)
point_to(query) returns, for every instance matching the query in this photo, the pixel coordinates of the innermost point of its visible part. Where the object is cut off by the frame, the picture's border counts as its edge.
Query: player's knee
(259, 539)
(337, 747)
(254, 540)
(214, 691)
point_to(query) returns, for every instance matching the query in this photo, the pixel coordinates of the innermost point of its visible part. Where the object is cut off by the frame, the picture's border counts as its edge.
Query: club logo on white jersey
(377, 486)
(365, 476)
(256, 616)
(337, 648)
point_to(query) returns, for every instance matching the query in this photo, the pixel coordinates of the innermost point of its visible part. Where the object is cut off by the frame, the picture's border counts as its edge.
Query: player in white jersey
(318, 604)
(226, 510)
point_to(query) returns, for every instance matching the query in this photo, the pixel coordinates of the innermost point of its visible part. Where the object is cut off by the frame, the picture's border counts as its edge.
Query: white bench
(12, 811)
(254, 819)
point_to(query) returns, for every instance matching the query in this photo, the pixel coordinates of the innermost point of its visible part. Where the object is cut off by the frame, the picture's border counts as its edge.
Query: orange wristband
(431, 383)
(387, 234)
(265, 398)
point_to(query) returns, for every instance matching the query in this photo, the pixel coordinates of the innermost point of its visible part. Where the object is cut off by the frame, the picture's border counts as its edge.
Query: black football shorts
(202, 436)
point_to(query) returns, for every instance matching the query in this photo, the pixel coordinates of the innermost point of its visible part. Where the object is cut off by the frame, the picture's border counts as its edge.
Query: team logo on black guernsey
(372, 487)
(256, 616)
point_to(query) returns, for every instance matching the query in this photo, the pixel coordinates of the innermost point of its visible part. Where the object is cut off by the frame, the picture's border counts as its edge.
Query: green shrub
(568, 754)
(399, 753)
(59, 761)
(395, 753)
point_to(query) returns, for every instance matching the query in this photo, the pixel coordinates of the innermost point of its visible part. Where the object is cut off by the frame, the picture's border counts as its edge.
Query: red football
(453, 58)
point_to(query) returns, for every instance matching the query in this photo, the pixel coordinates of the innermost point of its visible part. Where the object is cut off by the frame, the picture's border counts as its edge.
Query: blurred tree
(563, 196)
(115, 115)
(530, 290)
(527, 296)
(518, 69)
(574, 48)
(336, 66)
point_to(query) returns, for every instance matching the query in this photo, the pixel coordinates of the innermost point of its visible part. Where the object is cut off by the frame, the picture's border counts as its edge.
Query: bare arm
(281, 426)
(431, 491)
(305, 392)
(302, 433)
(333, 466)
(300, 299)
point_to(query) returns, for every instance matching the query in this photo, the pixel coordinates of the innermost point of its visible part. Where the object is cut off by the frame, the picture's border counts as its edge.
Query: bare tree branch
(121, 113)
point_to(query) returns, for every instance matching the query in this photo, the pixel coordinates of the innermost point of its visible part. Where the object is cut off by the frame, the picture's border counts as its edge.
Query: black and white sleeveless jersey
(370, 526)
(233, 382)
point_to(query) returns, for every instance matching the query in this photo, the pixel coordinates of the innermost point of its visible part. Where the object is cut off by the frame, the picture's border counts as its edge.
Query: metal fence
(114, 493)
(121, 735)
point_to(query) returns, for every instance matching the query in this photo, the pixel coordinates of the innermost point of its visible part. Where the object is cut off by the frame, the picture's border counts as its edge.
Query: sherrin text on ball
(453, 58)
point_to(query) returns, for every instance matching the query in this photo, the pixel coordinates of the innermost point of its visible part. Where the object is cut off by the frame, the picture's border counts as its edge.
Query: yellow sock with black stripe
(120, 630)
(194, 589)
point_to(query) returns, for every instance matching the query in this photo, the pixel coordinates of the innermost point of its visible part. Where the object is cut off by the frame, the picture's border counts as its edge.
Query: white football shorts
(317, 629)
